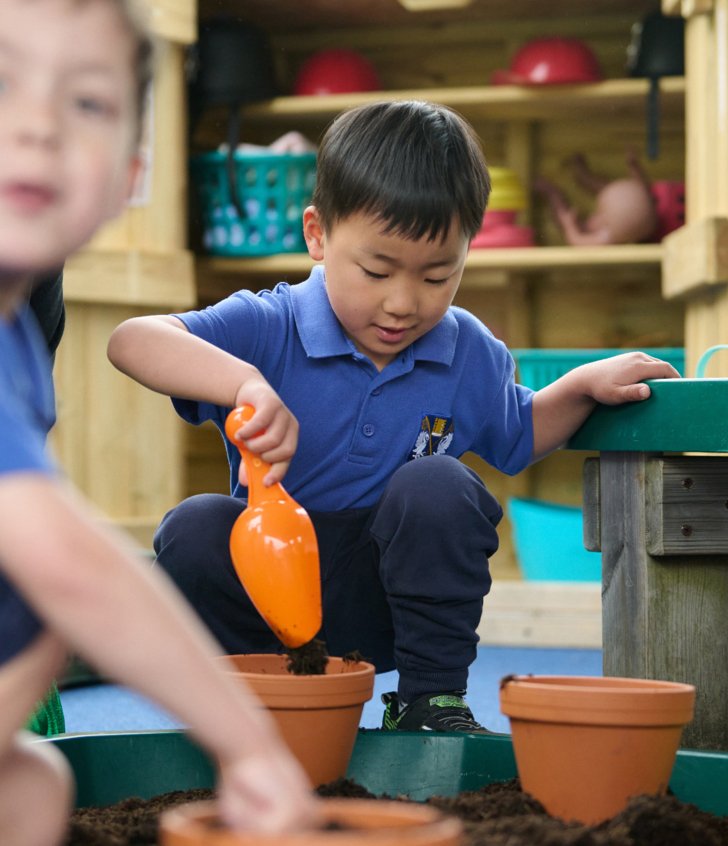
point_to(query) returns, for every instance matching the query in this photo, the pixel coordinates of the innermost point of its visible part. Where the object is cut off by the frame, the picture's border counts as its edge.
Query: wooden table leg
(665, 616)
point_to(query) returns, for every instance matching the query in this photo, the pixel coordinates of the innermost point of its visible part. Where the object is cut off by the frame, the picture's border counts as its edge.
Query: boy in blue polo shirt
(368, 386)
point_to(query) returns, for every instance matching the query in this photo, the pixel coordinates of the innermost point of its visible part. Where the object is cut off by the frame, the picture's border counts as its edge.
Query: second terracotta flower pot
(317, 715)
(346, 822)
(585, 745)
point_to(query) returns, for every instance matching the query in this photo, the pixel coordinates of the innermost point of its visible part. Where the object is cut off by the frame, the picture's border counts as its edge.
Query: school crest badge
(434, 438)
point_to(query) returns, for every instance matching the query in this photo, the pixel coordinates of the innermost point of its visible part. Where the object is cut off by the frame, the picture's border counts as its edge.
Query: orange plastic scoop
(274, 550)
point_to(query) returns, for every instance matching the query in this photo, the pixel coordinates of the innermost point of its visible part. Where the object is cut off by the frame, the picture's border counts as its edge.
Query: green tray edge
(681, 415)
(111, 766)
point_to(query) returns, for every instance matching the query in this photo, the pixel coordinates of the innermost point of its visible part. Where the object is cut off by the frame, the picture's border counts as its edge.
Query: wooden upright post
(695, 261)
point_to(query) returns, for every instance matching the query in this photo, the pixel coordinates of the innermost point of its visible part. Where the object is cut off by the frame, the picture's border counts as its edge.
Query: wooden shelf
(333, 14)
(514, 259)
(489, 268)
(613, 98)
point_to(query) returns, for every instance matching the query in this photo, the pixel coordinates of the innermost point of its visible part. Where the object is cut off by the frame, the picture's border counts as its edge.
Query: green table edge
(681, 415)
(111, 766)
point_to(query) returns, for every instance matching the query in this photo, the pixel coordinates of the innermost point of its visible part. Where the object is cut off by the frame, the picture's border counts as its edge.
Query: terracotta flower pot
(585, 745)
(346, 822)
(318, 716)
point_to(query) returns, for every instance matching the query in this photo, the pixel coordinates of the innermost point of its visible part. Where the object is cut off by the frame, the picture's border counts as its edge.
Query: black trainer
(432, 712)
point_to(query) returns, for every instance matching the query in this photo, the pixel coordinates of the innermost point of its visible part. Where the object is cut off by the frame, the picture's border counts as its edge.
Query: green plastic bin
(112, 766)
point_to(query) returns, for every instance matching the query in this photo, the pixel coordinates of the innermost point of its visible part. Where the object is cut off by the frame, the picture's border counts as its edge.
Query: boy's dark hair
(416, 166)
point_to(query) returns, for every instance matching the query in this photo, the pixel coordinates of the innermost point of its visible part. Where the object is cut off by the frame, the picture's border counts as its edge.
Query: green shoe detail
(48, 719)
(432, 712)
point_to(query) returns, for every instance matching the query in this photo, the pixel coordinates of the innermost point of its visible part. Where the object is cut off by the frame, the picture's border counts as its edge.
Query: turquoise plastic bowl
(548, 541)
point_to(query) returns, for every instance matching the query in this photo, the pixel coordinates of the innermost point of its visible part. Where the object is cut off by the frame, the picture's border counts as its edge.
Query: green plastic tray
(681, 415)
(112, 766)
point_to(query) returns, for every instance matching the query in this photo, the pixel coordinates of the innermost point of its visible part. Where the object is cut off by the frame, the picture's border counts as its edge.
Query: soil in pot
(308, 660)
(497, 815)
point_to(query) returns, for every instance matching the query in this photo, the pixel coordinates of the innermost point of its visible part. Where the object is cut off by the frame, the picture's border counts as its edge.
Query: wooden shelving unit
(617, 98)
(621, 99)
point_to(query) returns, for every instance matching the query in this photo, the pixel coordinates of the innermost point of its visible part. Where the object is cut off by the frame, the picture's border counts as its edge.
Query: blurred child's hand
(621, 378)
(266, 793)
(272, 432)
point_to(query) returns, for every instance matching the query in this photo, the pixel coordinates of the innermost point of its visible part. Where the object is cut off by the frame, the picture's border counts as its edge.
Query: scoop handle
(255, 467)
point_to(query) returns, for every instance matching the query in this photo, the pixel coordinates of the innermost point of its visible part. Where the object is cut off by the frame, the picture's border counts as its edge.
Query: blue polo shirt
(27, 412)
(452, 391)
(27, 406)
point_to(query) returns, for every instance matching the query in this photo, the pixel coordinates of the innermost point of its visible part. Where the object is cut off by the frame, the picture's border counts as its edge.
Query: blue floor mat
(104, 707)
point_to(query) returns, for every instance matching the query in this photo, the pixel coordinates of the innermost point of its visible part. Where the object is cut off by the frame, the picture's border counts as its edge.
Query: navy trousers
(402, 582)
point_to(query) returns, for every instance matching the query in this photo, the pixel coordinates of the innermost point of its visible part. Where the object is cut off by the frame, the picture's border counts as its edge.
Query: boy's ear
(126, 189)
(313, 233)
(135, 172)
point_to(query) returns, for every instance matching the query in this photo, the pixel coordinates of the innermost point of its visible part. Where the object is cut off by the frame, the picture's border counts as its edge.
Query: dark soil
(308, 660)
(497, 815)
(312, 658)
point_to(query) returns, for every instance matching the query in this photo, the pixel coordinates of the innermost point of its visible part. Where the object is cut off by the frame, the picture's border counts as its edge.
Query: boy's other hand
(271, 433)
(621, 378)
(267, 794)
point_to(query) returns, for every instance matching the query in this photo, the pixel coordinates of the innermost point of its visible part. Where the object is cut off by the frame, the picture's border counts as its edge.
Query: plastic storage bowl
(273, 191)
(548, 542)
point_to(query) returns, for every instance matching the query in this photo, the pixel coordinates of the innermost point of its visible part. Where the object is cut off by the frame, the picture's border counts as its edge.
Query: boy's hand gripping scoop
(274, 550)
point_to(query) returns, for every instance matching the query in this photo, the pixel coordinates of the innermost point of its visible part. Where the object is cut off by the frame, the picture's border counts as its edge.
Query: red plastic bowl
(336, 72)
(503, 235)
(551, 61)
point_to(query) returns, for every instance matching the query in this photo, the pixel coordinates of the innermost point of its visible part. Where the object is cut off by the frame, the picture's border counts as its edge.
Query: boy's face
(67, 127)
(385, 290)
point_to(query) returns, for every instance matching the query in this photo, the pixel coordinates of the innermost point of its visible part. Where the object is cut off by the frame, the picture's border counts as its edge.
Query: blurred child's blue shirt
(452, 391)
(27, 412)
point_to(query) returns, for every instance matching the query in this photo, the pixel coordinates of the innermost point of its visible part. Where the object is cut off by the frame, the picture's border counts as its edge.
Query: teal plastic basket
(537, 368)
(548, 542)
(273, 191)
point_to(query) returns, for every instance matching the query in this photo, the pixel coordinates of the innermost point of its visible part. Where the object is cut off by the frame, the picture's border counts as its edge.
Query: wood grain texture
(662, 618)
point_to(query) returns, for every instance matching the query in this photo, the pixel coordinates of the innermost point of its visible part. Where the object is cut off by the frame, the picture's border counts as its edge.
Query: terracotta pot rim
(408, 822)
(346, 683)
(352, 669)
(597, 700)
(602, 685)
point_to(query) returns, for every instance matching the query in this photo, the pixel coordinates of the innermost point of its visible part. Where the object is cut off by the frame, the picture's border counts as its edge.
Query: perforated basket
(272, 192)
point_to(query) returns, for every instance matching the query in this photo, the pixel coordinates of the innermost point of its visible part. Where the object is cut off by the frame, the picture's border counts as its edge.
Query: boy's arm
(162, 355)
(128, 620)
(560, 408)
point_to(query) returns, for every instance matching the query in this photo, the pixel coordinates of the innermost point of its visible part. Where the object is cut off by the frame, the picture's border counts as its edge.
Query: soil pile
(308, 660)
(500, 814)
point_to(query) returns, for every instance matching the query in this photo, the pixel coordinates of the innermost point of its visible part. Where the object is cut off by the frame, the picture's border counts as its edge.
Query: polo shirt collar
(322, 336)
(318, 327)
